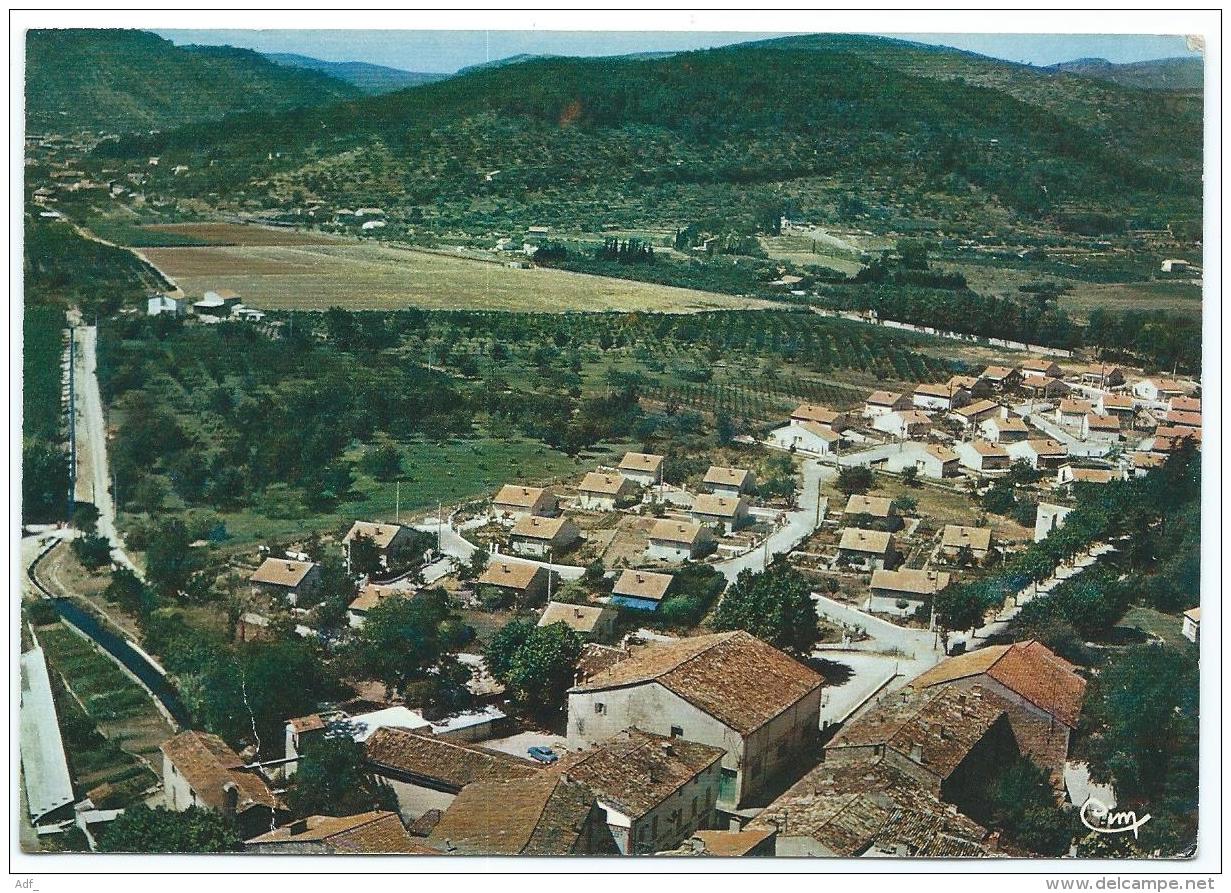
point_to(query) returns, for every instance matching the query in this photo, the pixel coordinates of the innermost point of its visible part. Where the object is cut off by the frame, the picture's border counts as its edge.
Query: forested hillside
(837, 125)
(113, 81)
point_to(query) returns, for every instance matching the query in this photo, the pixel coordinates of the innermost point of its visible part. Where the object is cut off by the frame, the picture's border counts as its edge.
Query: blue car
(543, 754)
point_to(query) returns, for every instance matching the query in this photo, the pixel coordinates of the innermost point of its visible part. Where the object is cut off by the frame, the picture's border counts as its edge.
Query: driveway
(519, 744)
(883, 635)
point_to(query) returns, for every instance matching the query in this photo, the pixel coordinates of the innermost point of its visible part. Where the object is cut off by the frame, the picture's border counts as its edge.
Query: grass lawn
(1177, 297)
(375, 277)
(450, 472)
(1165, 626)
(945, 507)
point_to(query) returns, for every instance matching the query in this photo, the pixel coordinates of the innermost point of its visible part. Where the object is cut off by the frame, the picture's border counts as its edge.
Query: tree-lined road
(92, 442)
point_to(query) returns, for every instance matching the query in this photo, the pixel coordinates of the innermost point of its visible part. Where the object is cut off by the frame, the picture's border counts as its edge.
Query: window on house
(581, 726)
(654, 827)
(694, 807)
(600, 707)
(677, 732)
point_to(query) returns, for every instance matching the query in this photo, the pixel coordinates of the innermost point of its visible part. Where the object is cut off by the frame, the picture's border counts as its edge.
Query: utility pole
(549, 573)
(818, 503)
(440, 521)
(397, 504)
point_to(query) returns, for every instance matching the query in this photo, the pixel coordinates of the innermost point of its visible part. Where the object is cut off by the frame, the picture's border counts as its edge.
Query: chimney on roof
(916, 753)
(299, 826)
(667, 748)
(230, 799)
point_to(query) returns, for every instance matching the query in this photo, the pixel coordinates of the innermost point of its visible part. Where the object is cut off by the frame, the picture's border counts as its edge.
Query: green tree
(1143, 707)
(383, 461)
(855, 479)
(332, 778)
(905, 505)
(92, 551)
(1020, 802)
(959, 608)
(248, 693)
(775, 606)
(44, 481)
(544, 668)
(364, 556)
(85, 517)
(169, 558)
(477, 564)
(504, 645)
(401, 640)
(143, 830)
(127, 591)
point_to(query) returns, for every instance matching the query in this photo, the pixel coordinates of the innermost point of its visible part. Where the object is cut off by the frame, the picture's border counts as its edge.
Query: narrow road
(1076, 446)
(92, 443)
(799, 525)
(1001, 622)
(455, 545)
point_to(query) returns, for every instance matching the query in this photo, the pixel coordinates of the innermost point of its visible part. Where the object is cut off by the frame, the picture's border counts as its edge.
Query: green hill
(113, 80)
(843, 126)
(1179, 73)
(371, 79)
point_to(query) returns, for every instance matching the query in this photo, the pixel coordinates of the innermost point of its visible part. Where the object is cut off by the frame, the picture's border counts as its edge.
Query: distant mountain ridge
(849, 121)
(123, 80)
(1177, 73)
(371, 79)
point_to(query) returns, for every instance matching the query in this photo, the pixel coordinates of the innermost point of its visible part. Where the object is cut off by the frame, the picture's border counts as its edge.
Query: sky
(447, 51)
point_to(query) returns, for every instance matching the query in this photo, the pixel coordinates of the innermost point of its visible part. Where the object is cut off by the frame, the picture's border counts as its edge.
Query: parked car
(543, 754)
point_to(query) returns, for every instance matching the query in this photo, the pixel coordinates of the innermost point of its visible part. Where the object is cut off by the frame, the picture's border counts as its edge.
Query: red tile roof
(1029, 669)
(736, 678)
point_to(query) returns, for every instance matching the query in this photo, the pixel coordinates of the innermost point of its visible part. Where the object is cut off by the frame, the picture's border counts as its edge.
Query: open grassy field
(1177, 297)
(448, 472)
(366, 276)
(1165, 626)
(804, 250)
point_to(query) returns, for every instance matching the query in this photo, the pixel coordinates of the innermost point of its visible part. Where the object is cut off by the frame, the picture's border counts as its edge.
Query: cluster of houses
(703, 746)
(215, 305)
(709, 745)
(295, 580)
(539, 530)
(540, 533)
(894, 589)
(967, 425)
